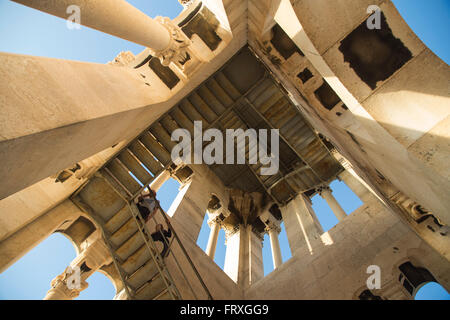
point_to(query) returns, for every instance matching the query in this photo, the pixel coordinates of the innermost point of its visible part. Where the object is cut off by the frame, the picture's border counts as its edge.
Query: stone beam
(18, 244)
(189, 207)
(115, 17)
(57, 112)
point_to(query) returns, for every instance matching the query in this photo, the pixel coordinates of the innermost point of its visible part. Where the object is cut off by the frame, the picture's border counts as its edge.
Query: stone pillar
(243, 257)
(353, 180)
(213, 237)
(122, 295)
(302, 228)
(325, 193)
(115, 17)
(359, 189)
(273, 231)
(119, 18)
(255, 257)
(160, 180)
(233, 253)
(69, 284)
(19, 243)
(189, 207)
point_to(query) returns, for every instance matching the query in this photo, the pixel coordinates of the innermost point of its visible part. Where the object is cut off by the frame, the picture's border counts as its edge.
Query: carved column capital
(186, 3)
(215, 220)
(229, 232)
(272, 227)
(72, 281)
(67, 285)
(176, 52)
(323, 189)
(341, 159)
(259, 235)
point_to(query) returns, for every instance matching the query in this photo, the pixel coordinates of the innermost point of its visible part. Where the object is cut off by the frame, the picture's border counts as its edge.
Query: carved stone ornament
(185, 3)
(62, 289)
(176, 52)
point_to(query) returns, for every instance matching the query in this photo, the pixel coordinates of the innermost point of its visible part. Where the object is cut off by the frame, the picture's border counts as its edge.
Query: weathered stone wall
(337, 270)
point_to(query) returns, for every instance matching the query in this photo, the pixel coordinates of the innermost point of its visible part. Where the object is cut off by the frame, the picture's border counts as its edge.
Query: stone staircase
(108, 197)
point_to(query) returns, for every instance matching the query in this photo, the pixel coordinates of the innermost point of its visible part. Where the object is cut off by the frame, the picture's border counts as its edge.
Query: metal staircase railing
(171, 291)
(156, 256)
(183, 249)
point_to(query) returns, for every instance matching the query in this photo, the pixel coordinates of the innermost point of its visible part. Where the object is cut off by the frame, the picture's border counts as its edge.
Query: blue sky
(26, 31)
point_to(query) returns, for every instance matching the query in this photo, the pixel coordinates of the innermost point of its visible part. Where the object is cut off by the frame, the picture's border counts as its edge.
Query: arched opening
(431, 291)
(420, 284)
(167, 193)
(344, 196)
(214, 205)
(30, 277)
(267, 251)
(202, 242)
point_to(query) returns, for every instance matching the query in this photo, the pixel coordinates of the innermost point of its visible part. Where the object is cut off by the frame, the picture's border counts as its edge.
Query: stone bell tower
(79, 142)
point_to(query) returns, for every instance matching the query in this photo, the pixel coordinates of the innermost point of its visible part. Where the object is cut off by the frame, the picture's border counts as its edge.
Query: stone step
(130, 246)
(151, 289)
(124, 232)
(143, 274)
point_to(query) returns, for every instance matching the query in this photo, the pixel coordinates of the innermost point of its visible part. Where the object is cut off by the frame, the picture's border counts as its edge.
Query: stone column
(160, 180)
(115, 17)
(69, 284)
(273, 231)
(325, 193)
(119, 18)
(243, 257)
(19, 243)
(255, 257)
(189, 207)
(233, 253)
(353, 180)
(302, 228)
(213, 236)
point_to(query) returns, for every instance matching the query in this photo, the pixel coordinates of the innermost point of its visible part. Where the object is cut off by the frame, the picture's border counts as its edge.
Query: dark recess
(305, 75)
(327, 96)
(374, 54)
(368, 295)
(164, 73)
(204, 24)
(416, 275)
(80, 230)
(276, 212)
(259, 226)
(284, 45)
(184, 173)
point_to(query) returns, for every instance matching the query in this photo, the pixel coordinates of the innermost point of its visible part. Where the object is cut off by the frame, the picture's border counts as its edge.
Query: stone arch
(111, 273)
(365, 294)
(419, 289)
(413, 277)
(412, 273)
(78, 231)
